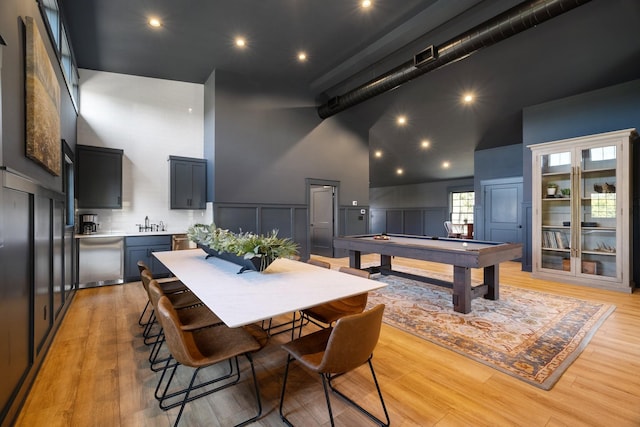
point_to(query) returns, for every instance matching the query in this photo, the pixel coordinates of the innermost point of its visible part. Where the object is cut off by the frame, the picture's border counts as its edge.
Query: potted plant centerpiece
(249, 250)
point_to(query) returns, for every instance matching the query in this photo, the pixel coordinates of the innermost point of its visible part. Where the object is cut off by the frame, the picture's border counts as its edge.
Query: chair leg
(270, 327)
(188, 397)
(146, 307)
(154, 360)
(284, 386)
(257, 390)
(360, 408)
(326, 379)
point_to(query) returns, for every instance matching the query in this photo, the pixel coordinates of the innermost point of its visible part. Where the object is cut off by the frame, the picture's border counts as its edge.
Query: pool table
(463, 254)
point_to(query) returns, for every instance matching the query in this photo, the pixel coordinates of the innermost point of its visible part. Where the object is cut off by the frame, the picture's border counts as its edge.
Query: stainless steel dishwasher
(101, 261)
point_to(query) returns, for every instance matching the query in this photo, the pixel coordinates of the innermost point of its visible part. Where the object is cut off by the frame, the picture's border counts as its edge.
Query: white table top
(240, 299)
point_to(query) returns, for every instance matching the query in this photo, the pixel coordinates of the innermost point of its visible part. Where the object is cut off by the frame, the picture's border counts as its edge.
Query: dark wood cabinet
(141, 248)
(188, 182)
(99, 177)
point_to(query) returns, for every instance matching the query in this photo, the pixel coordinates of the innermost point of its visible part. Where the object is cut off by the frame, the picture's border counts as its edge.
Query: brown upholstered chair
(191, 319)
(326, 314)
(178, 300)
(335, 351)
(168, 286)
(199, 349)
(278, 328)
(318, 263)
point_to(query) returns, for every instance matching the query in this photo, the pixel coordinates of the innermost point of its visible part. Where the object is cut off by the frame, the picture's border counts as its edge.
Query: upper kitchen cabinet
(99, 177)
(188, 182)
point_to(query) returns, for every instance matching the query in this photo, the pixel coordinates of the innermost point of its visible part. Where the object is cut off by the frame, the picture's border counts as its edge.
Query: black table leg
(354, 259)
(385, 262)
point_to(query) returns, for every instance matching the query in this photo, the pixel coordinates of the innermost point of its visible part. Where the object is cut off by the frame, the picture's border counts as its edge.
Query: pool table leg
(355, 259)
(491, 274)
(461, 289)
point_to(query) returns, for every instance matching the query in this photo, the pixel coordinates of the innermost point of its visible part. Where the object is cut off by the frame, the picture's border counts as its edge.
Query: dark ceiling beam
(507, 24)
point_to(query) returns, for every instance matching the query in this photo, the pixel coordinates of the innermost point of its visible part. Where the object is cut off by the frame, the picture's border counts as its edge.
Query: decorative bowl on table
(255, 263)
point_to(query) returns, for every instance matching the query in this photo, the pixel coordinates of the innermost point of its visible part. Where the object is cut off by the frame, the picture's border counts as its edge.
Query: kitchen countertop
(129, 234)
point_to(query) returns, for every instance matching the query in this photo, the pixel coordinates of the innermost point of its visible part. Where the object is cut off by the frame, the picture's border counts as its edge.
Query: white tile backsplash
(150, 119)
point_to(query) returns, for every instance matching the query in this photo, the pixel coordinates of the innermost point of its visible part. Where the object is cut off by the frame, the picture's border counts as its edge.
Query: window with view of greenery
(462, 204)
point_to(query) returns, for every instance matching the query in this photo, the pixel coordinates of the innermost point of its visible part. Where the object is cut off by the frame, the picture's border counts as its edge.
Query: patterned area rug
(530, 335)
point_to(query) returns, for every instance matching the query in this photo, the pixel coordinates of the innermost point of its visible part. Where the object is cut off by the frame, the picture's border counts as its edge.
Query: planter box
(251, 264)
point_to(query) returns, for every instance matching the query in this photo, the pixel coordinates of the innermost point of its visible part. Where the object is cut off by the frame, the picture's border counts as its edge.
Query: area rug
(530, 335)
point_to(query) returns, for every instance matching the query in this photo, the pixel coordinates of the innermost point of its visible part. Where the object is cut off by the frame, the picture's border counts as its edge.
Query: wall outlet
(354, 203)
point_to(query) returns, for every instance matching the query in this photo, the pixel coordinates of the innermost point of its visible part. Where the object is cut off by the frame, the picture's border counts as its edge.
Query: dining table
(239, 299)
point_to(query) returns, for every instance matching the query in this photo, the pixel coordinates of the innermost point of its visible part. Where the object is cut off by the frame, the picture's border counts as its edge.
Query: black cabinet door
(199, 185)
(141, 249)
(99, 177)
(188, 183)
(132, 256)
(15, 292)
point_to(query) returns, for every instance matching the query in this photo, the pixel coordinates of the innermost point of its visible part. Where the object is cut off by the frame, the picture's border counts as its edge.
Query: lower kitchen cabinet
(141, 248)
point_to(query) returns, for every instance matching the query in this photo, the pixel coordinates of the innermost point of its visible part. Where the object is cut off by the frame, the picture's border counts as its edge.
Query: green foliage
(248, 245)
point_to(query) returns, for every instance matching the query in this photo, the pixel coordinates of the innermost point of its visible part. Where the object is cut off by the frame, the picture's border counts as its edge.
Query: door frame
(309, 182)
(484, 184)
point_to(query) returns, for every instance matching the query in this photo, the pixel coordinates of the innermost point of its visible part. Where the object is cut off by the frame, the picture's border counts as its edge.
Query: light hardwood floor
(96, 374)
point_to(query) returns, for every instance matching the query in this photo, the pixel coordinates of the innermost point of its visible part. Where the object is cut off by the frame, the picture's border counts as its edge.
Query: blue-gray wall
(613, 108)
(266, 140)
(414, 209)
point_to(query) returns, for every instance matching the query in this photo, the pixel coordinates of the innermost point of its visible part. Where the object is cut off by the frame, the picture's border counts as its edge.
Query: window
(603, 153)
(559, 159)
(59, 38)
(462, 204)
(603, 205)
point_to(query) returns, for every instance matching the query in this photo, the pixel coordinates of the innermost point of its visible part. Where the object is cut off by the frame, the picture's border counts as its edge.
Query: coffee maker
(88, 223)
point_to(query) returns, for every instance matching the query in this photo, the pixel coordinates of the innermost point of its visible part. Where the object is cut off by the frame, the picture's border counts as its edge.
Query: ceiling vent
(509, 23)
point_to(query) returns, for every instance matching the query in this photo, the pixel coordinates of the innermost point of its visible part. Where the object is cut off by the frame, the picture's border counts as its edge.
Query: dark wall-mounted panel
(418, 221)
(291, 220)
(275, 218)
(394, 223)
(42, 284)
(236, 218)
(15, 291)
(412, 220)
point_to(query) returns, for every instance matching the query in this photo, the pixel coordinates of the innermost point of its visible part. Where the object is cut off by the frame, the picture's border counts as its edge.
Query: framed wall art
(42, 103)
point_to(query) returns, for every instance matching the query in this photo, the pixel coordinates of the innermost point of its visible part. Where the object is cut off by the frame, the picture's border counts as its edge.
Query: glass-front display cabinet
(582, 200)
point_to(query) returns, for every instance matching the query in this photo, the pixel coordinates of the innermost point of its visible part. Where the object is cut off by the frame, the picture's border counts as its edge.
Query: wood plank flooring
(97, 374)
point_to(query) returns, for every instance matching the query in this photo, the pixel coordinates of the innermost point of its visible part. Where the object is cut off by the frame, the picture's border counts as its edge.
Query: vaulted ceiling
(592, 46)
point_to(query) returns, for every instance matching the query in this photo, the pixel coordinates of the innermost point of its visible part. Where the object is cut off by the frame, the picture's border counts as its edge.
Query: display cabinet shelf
(581, 210)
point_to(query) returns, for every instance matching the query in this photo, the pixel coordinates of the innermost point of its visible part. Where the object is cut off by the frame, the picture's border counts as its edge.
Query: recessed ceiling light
(467, 98)
(365, 4)
(425, 143)
(399, 171)
(446, 164)
(401, 120)
(241, 42)
(378, 153)
(302, 56)
(155, 22)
